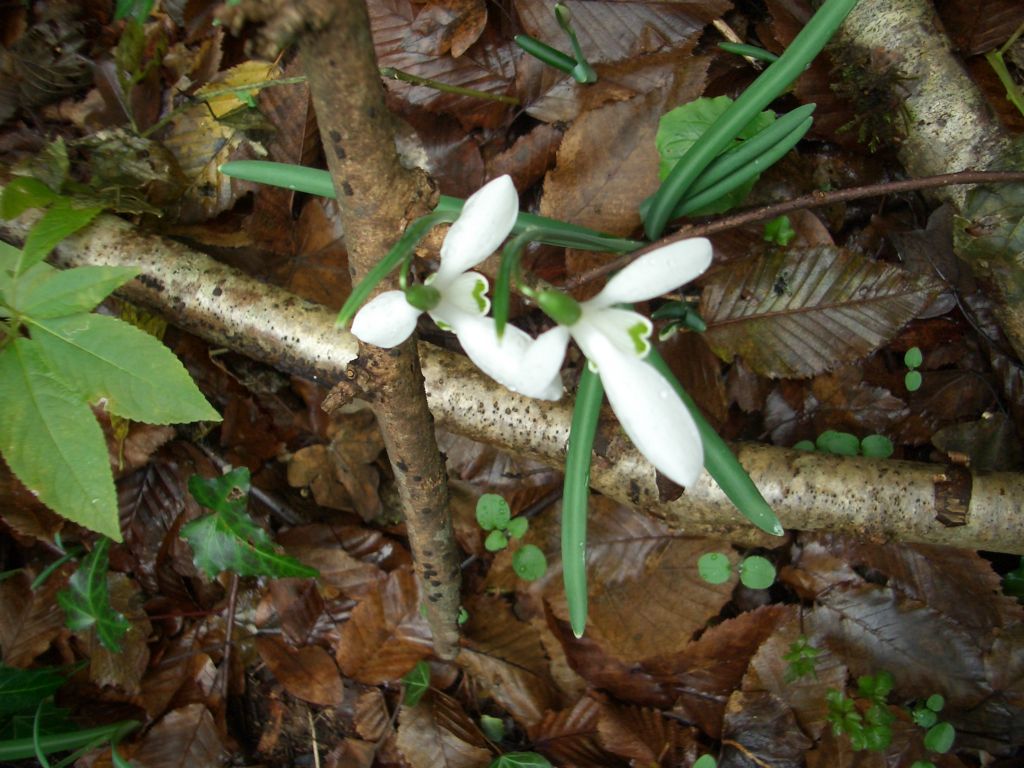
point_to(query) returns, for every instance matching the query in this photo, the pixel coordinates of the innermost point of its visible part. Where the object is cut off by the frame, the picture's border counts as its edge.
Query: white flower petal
(629, 331)
(657, 272)
(518, 362)
(649, 411)
(385, 321)
(486, 219)
(465, 295)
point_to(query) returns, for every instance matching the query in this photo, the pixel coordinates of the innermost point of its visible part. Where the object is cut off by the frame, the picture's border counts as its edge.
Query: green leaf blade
(22, 689)
(417, 683)
(60, 221)
(51, 441)
(86, 601)
(71, 291)
(104, 357)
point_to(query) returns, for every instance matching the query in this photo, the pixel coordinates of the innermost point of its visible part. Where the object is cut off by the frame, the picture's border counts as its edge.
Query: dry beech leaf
(125, 668)
(505, 657)
(30, 620)
(351, 753)
(307, 673)
(977, 27)
(184, 738)
(874, 628)
(372, 719)
(425, 742)
(321, 546)
(646, 736)
(796, 313)
(386, 635)
(704, 675)
(570, 737)
(174, 662)
(760, 729)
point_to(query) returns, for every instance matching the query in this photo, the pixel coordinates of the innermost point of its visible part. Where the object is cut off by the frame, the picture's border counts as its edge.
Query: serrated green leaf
(51, 441)
(61, 220)
(23, 193)
(492, 512)
(103, 357)
(230, 540)
(55, 293)
(681, 128)
(23, 689)
(803, 311)
(417, 683)
(86, 601)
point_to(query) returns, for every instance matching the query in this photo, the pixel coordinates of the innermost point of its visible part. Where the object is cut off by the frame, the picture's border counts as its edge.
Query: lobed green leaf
(86, 601)
(417, 683)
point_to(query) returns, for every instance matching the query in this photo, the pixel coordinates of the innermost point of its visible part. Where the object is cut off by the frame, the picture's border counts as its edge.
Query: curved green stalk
(769, 85)
(22, 749)
(753, 51)
(721, 462)
(576, 494)
(545, 53)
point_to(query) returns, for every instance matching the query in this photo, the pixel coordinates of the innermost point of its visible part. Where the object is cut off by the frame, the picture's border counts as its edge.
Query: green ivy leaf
(51, 441)
(60, 220)
(45, 292)
(529, 562)
(520, 760)
(417, 683)
(492, 512)
(714, 567)
(103, 357)
(757, 572)
(86, 601)
(23, 193)
(681, 128)
(939, 738)
(229, 539)
(23, 689)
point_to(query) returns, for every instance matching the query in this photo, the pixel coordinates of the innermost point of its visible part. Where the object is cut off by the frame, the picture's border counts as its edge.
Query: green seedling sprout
(579, 68)
(913, 359)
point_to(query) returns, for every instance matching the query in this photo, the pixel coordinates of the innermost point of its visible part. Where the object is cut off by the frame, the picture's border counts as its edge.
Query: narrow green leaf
(23, 193)
(417, 683)
(229, 539)
(22, 689)
(51, 441)
(103, 357)
(61, 220)
(86, 601)
(69, 291)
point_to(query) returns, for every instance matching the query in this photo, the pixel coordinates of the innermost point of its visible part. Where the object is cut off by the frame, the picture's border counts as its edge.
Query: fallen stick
(876, 499)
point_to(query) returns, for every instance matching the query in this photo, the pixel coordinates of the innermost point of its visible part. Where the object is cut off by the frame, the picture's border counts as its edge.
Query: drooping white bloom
(459, 302)
(617, 340)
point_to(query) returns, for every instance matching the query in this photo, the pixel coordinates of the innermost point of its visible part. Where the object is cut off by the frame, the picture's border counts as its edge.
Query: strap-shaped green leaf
(61, 220)
(102, 357)
(45, 292)
(229, 539)
(51, 441)
(22, 689)
(86, 601)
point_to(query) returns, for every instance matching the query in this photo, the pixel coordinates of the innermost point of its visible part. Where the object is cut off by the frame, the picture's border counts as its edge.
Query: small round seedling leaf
(705, 761)
(935, 702)
(838, 443)
(912, 381)
(714, 567)
(492, 512)
(517, 527)
(876, 446)
(804, 445)
(529, 562)
(925, 717)
(495, 541)
(939, 738)
(757, 573)
(922, 764)
(493, 727)
(913, 358)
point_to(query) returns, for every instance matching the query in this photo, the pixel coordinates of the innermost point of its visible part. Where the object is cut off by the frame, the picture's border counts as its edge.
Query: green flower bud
(560, 307)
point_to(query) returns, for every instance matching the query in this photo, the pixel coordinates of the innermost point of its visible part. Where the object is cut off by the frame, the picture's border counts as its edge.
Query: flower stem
(406, 77)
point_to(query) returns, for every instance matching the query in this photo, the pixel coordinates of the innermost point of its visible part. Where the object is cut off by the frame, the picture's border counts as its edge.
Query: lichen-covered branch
(895, 500)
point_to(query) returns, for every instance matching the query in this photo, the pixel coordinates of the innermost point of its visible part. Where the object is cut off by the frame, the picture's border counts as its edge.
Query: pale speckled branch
(878, 499)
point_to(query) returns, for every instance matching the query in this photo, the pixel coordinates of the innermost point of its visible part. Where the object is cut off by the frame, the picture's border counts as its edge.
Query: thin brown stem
(812, 200)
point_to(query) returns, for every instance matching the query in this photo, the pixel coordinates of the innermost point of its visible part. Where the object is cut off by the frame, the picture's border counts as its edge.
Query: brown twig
(812, 200)
(376, 198)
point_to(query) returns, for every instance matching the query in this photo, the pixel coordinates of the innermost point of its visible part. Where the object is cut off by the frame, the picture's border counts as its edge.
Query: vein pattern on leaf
(86, 601)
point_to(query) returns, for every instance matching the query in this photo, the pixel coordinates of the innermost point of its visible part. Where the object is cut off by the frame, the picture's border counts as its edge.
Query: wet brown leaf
(30, 620)
(307, 673)
(386, 635)
(425, 742)
(184, 738)
(990, 444)
(646, 736)
(529, 157)
(977, 27)
(321, 546)
(759, 729)
(505, 657)
(122, 669)
(570, 737)
(372, 719)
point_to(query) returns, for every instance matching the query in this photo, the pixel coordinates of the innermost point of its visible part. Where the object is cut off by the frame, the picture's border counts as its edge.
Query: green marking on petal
(482, 302)
(638, 333)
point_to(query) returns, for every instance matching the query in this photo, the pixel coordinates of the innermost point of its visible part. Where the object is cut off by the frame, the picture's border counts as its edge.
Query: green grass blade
(768, 86)
(576, 495)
